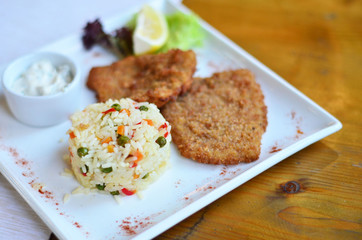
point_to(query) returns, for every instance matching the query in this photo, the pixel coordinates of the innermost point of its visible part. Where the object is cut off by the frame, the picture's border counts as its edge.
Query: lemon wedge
(151, 31)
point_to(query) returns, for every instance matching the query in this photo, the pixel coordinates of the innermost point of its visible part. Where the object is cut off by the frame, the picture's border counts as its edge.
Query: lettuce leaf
(185, 32)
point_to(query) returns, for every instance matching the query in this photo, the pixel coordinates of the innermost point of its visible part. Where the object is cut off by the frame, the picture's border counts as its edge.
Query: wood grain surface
(317, 47)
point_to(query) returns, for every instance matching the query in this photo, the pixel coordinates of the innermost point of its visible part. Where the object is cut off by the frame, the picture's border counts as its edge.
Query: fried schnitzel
(220, 120)
(147, 78)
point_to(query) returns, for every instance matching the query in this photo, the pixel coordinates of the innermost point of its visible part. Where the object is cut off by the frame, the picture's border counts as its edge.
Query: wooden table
(317, 47)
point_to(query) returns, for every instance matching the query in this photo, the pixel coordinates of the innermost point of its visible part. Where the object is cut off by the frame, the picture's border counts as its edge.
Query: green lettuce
(184, 32)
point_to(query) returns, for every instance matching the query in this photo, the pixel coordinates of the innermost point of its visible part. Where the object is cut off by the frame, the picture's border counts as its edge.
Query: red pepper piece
(109, 110)
(165, 135)
(127, 192)
(163, 126)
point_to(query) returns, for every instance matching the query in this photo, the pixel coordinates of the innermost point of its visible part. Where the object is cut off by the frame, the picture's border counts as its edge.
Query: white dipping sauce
(43, 78)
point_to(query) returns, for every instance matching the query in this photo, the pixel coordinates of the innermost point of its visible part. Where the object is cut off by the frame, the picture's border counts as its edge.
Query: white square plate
(31, 156)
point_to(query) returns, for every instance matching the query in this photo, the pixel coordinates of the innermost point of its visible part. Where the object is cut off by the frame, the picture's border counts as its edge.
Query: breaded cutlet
(220, 120)
(150, 78)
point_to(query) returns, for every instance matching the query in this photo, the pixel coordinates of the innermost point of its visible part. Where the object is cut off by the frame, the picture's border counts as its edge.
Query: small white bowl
(41, 111)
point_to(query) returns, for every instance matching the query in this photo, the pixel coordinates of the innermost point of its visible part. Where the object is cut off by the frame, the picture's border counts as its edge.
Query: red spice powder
(299, 133)
(32, 182)
(45, 193)
(22, 162)
(177, 183)
(128, 229)
(275, 149)
(14, 152)
(130, 226)
(77, 224)
(223, 171)
(297, 121)
(27, 174)
(126, 222)
(293, 114)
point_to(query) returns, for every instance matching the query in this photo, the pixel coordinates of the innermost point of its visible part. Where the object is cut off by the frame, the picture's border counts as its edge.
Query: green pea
(146, 176)
(116, 106)
(100, 186)
(143, 108)
(107, 170)
(122, 140)
(82, 151)
(115, 193)
(161, 141)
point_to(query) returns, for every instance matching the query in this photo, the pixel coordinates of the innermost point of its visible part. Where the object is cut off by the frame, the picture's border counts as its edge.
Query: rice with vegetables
(120, 146)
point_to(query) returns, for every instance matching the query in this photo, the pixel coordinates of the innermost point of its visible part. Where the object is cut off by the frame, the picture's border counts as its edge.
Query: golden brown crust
(221, 120)
(148, 78)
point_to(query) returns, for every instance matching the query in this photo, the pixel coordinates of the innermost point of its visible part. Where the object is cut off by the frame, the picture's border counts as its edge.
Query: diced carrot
(110, 148)
(120, 130)
(139, 156)
(135, 176)
(127, 111)
(71, 135)
(106, 140)
(149, 121)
